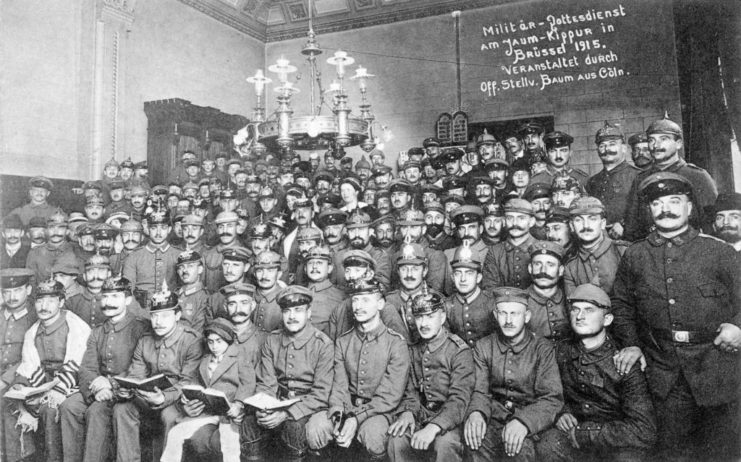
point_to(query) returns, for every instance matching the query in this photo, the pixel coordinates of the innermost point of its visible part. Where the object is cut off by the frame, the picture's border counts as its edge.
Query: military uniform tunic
(471, 317)
(548, 316)
(13, 327)
(148, 267)
(41, 259)
(437, 266)
(546, 176)
(267, 316)
(506, 265)
(479, 249)
(596, 266)
(402, 300)
(326, 299)
(194, 304)
(87, 306)
(28, 211)
(611, 187)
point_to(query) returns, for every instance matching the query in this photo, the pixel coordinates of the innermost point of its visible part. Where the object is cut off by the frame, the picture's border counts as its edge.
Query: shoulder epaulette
(347, 332)
(458, 341)
(715, 238)
(622, 243)
(579, 171)
(322, 336)
(276, 332)
(393, 332)
(691, 165)
(190, 330)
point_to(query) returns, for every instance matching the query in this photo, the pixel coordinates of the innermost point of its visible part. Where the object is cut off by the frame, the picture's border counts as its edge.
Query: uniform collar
(190, 290)
(601, 248)
(503, 345)
(541, 300)
(585, 357)
(172, 339)
(47, 330)
(320, 286)
(270, 295)
(656, 240)
(15, 315)
(670, 168)
(251, 330)
(435, 343)
(164, 247)
(405, 296)
(299, 340)
(470, 299)
(91, 297)
(108, 326)
(372, 335)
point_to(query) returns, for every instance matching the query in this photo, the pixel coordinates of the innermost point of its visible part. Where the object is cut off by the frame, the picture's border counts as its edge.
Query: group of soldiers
(488, 303)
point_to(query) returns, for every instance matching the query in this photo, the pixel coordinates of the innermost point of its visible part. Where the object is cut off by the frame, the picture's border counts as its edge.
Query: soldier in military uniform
(558, 230)
(371, 365)
(401, 196)
(435, 234)
(598, 256)
(439, 388)
(326, 297)
(234, 267)
(86, 416)
(546, 299)
(506, 262)
(676, 300)
(468, 222)
(53, 349)
(226, 226)
(384, 234)
(518, 389)
(639, 151)
(468, 315)
(296, 361)
(18, 315)
(565, 189)
(412, 228)
(493, 224)
(350, 189)
(14, 247)
(412, 171)
(531, 135)
(175, 350)
(497, 169)
(40, 259)
(558, 150)
(412, 266)
(267, 269)
(612, 184)
(540, 197)
(359, 232)
(665, 141)
(606, 415)
(39, 188)
(193, 297)
(132, 234)
(153, 265)
(727, 223)
(87, 304)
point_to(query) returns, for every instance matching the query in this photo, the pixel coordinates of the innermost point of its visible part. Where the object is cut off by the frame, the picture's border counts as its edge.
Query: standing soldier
(493, 224)
(468, 315)
(412, 228)
(226, 227)
(87, 415)
(39, 188)
(359, 234)
(597, 259)
(132, 234)
(558, 150)
(153, 265)
(611, 185)
(412, 265)
(326, 297)
(677, 300)
(428, 426)
(15, 248)
(518, 389)
(295, 362)
(727, 223)
(665, 142)
(371, 366)
(506, 262)
(606, 415)
(267, 315)
(192, 295)
(234, 267)
(469, 226)
(639, 151)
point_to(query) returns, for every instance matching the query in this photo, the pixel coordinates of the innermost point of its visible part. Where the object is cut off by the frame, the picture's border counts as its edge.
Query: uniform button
(581, 372)
(672, 301)
(668, 260)
(465, 315)
(468, 324)
(362, 382)
(669, 245)
(586, 406)
(468, 332)
(669, 280)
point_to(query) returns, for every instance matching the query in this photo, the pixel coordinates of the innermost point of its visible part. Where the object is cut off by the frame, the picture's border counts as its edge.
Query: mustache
(728, 228)
(667, 215)
(542, 275)
(226, 234)
(409, 279)
(508, 326)
(587, 230)
(108, 307)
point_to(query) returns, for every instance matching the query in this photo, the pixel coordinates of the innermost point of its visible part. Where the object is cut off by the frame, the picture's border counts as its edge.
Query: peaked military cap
(309, 234)
(493, 209)
(546, 248)
(411, 217)
(586, 205)
(267, 259)
(434, 206)
(558, 214)
(331, 217)
(400, 184)
(482, 179)
(66, 264)
(319, 252)
(226, 217)
(431, 142)
(467, 214)
(354, 257)
(236, 254)
(41, 182)
(519, 205)
(132, 226)
(11, 278)
(411, 254)
(557, 140)
(537, 191)
(221, 327)
(591, 294)
(294, 295)
(506, 294)
(457, 198)
(105, 231)
(238, 288)
(451, 154)
(189, 256)
(380, 170)
(530, 128)
(454, 182)
(639, 137)
(661, 184)
(362, 286)
(496, 163)
(358, 219)
(416, 151)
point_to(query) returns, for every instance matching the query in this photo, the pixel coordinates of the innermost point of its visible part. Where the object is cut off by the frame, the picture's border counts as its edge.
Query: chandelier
(284, 130)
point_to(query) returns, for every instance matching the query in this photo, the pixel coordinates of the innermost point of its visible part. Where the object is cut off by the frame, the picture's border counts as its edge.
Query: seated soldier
(438, 392)
(87, 416)
(221, 370)
(606, 415)
(296, 361)
(173, 350)
(192, 295)
(371, 366)
(518, 389)
(234, 266)
(53, 348)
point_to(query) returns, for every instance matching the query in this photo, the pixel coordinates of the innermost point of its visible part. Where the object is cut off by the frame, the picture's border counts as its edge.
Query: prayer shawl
(30, 366)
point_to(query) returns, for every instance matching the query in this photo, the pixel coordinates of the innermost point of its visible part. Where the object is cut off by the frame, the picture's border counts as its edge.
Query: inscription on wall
(548, 50)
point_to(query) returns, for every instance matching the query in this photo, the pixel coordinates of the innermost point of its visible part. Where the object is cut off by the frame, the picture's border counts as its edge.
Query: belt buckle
(509, 405)
(681, 336)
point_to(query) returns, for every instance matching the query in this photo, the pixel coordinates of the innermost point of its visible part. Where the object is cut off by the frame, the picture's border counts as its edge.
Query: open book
(265, 402)
(23, 392)
(147, 384)
(216, 401)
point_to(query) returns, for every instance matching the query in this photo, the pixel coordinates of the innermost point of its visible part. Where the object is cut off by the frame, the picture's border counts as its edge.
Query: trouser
(553, 445)
(82, 423)
(447, 447)
(372, 434)
(16, 445)
(127, 419)
(492, 447)
(689, 430)
(292, 433)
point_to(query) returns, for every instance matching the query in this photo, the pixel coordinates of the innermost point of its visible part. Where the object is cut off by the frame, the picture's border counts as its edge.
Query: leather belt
(359, 400)
(434, 406)
(685, 336)
(285, 393)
